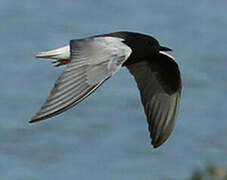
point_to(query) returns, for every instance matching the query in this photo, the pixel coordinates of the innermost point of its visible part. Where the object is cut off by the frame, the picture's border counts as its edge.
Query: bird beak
(162, 48)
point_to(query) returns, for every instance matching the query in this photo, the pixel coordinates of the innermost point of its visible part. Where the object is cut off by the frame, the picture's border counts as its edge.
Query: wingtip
(35, 119)
(155, 147)
(30, 122)
(156, 144)
(160, 141)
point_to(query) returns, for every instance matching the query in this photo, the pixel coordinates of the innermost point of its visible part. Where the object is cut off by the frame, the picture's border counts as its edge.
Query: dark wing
(159, 82)
(93, 60)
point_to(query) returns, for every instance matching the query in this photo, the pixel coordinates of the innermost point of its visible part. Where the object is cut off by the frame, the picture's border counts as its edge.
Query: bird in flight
(91, 61)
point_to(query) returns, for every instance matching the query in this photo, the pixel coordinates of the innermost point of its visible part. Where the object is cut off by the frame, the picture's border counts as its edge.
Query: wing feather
(93, 61)
(160, 85)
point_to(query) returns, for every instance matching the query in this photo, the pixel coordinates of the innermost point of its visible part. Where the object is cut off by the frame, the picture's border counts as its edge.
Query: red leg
(61, 62)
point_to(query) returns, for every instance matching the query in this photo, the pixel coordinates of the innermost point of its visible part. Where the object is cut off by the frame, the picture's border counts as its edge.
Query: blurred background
(106, 136)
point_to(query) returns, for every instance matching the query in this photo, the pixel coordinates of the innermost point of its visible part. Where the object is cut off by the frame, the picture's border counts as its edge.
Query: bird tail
(59, 53)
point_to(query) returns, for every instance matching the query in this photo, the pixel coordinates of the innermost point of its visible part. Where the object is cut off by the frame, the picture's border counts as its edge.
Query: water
(106, 136)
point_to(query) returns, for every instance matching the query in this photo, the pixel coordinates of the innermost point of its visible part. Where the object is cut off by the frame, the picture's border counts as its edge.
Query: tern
(91, 61)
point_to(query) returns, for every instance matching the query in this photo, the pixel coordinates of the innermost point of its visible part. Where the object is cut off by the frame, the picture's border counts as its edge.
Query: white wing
(93, 60)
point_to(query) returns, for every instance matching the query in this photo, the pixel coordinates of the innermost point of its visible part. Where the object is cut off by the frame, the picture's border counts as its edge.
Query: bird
(90, 61)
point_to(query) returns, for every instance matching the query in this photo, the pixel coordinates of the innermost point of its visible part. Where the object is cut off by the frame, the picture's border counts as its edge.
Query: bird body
(91, 61)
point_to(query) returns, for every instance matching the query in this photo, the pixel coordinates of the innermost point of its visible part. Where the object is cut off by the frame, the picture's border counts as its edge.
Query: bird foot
(61, 62)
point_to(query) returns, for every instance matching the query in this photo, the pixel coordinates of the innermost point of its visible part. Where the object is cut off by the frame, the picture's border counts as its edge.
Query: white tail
(59, 53)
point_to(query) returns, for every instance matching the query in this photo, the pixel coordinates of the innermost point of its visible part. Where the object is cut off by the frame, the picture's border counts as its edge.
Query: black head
(155, 46)
(143, 46)
(140, 43)
(146, 44)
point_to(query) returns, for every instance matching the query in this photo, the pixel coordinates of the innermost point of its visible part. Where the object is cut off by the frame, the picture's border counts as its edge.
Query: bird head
(155, 46)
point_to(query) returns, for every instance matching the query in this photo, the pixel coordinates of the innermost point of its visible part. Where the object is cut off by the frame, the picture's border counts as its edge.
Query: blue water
(106, 136)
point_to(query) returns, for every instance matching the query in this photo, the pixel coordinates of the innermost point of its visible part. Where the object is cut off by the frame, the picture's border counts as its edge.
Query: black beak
(162, 48)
